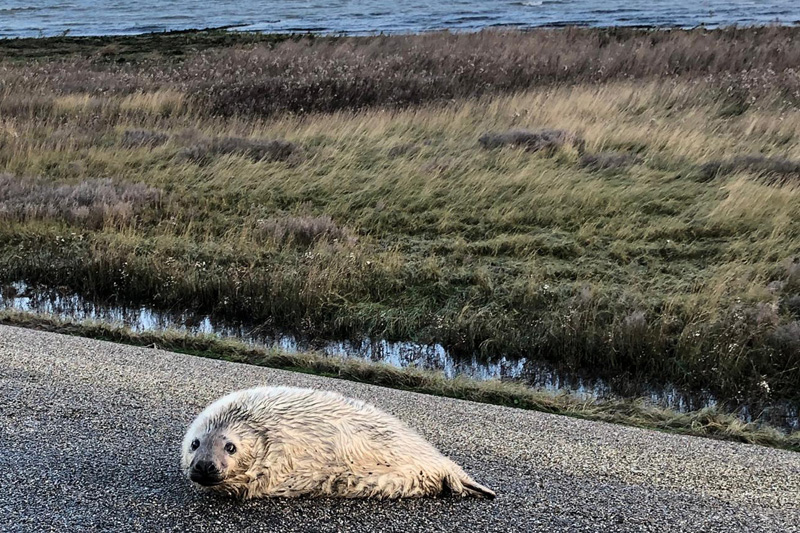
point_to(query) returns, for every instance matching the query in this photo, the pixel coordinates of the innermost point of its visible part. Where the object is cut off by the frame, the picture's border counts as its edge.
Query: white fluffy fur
(301, 442)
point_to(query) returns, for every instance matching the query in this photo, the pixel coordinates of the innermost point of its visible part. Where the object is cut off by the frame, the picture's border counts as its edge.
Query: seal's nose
(205, 473)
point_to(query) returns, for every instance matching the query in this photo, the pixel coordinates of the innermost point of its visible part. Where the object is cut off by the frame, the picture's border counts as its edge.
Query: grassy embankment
(708, 422)
(338, 187)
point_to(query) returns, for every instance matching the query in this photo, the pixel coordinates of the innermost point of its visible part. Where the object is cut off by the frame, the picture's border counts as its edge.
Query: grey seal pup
(289, 442)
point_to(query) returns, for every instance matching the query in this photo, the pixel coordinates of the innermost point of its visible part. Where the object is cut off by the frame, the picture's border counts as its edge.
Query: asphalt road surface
(90, 434)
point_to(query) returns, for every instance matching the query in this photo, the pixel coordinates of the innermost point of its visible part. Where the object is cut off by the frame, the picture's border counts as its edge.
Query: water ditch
(48, 301)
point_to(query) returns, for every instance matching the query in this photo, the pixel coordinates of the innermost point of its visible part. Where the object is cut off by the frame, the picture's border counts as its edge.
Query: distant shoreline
(310, 31)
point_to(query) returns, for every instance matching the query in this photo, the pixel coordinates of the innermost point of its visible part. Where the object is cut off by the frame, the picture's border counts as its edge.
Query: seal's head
(219, 450)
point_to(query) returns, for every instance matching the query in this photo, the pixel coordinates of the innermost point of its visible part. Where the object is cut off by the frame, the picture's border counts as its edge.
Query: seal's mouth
(206, 478)
(205, 481)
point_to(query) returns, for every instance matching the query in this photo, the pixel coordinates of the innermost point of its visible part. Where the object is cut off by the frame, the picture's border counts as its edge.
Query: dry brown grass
(607, 160)
(324, 75)
(161, 102)
(139, 138)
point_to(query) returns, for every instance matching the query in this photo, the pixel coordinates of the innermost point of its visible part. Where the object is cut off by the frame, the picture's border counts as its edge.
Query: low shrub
(532, 141)
(255, 150)
(775, 169)
(302, 230)
(89, 203)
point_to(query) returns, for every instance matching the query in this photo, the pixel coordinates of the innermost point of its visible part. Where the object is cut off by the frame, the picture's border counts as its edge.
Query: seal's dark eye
(230, 448)
(195, 444)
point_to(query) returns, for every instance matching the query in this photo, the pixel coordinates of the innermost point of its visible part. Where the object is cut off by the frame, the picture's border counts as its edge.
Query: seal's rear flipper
(476, 489)
(468, 487)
